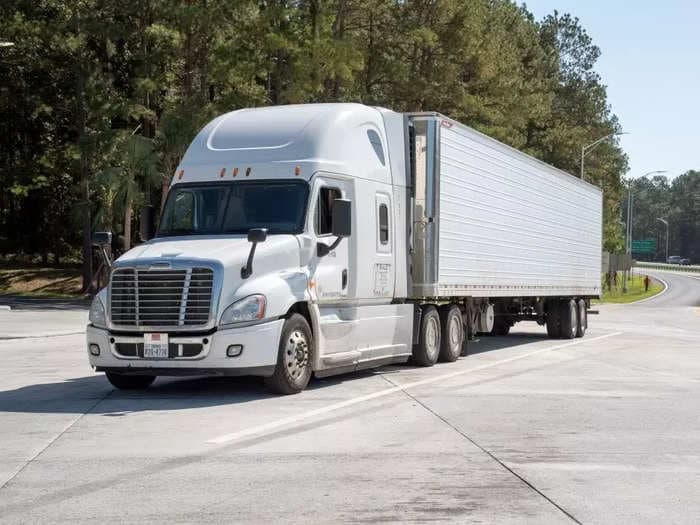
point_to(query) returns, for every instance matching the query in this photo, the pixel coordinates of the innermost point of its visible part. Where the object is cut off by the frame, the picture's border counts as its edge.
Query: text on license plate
(155, 345)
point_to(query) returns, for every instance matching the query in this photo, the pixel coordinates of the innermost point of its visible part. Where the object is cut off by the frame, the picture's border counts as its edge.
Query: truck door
(330, 274)
(383, 268)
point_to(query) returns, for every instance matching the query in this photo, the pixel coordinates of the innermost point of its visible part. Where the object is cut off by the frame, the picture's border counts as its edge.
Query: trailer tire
(452, 333)
(581, 318)
(293, 370)
(129, 382)
(500, 326)
(568, 313)
(553, 320)
(426, 352)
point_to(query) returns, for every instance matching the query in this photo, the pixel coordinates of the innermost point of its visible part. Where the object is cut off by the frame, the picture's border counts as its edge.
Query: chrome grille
(161, 297)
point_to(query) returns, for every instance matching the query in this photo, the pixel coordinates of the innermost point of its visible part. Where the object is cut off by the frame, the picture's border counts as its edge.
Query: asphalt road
(682, 289)
(526, 429)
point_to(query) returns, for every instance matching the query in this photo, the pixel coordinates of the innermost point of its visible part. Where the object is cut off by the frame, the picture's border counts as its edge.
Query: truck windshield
(234, 207)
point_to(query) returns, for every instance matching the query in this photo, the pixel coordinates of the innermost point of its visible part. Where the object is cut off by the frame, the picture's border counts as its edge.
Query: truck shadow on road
(94, 395)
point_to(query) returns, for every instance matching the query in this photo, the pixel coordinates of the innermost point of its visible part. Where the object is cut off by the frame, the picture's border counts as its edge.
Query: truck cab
(276, 255)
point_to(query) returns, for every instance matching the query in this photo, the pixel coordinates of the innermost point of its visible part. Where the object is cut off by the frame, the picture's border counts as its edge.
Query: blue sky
(651, 64)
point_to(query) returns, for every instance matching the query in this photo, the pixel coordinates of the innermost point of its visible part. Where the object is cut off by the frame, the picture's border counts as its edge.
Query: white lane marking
(654, 296)
(13, 338)
(273, 425)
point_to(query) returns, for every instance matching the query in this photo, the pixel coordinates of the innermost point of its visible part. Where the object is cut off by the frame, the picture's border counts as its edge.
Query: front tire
(129, 382)
(426, 352)
(293, 369)
(452, 333)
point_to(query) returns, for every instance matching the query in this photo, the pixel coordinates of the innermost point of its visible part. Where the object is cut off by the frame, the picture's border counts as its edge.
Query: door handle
(345, 278)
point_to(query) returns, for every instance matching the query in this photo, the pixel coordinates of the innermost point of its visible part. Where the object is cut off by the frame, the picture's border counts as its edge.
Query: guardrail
(673, 267)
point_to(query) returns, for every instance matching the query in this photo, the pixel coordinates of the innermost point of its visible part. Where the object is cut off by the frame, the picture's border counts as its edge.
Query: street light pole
(666, 223)
(585, 149)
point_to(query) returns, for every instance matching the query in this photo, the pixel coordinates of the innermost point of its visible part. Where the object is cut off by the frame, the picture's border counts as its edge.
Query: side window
(383, 224)
(376, 143)
(324, 210)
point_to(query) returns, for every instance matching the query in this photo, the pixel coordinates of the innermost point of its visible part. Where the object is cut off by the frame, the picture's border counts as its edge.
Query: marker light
(181, 174)
(223, 172)
(235, 171)
(297, 171)
(247, 171)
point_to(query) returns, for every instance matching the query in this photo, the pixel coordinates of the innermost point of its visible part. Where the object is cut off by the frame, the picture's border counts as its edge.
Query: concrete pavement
(525, 429)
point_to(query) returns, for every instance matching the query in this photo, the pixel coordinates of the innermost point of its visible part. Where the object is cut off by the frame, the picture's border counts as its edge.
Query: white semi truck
(326, 238)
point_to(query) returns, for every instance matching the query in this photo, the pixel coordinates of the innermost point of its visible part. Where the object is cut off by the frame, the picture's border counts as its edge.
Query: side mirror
(147, 224)
(342, 218)
(103, 241)
(341, 226)
(255, 236)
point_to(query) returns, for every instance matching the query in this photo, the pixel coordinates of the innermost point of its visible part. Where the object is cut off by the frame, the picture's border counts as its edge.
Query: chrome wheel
(455, 331)
(427, 348)
(574, 319)
(432, 337)
(296, 354)
(452, 327)
(295, 357)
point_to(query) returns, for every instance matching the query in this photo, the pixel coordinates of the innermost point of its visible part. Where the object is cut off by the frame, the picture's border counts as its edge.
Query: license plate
(155, 346)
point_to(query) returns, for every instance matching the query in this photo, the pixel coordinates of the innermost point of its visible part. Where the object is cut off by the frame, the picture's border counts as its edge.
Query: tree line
(100, 98)
(655, 200)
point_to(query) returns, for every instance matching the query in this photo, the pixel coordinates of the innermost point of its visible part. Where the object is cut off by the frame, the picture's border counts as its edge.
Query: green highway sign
(644, 246)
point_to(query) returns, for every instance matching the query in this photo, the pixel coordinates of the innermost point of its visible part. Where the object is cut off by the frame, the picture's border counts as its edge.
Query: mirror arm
(105, 258)
(324, 249)
(247, 270)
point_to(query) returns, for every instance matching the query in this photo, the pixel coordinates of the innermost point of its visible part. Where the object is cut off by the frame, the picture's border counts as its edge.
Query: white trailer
(326, 238)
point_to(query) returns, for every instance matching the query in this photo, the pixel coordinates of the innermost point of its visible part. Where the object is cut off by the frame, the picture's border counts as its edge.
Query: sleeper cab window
(376, 143)
(383, 224)
(324, 210)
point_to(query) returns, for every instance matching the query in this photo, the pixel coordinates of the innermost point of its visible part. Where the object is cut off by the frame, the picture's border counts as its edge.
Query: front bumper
(259, 356)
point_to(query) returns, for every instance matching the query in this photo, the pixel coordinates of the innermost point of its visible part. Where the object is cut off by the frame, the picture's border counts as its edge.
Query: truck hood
(217, 248)
(229, 250)
(275, 260)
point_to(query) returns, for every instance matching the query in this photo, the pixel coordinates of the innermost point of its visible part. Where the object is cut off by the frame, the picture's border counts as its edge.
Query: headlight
(251, 308)
(97, 313)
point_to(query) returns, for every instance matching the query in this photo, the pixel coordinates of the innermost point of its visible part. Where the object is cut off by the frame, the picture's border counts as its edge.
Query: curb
(640, 301)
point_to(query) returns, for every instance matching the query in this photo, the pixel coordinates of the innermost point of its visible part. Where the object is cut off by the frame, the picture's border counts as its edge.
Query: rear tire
(293, 369)
(129, 382)
(426, 352)
(500, 327)
(568, 313)
(553, 321)
(581, 318)
(452, 333)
